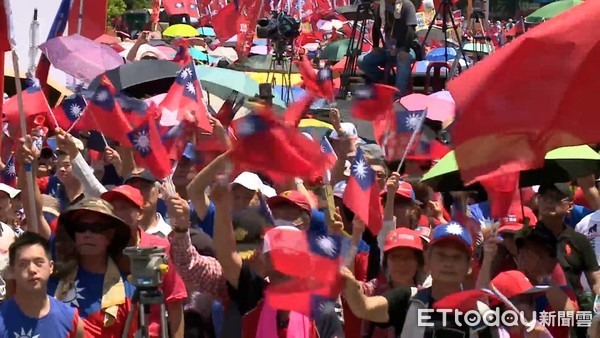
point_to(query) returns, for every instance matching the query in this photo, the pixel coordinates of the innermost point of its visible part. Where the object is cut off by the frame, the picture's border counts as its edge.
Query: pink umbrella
(80, 57)
(440, 106)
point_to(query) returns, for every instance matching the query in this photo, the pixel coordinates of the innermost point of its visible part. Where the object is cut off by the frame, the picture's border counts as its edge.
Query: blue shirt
(577, 214)
(86, 294)
(480, 211)
(60, 322)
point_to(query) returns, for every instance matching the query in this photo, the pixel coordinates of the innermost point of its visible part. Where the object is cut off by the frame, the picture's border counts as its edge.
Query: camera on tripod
(148, 264)
(279, 27)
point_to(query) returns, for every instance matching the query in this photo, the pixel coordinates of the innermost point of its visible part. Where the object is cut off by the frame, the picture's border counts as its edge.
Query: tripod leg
(129, 321)
(164, 325)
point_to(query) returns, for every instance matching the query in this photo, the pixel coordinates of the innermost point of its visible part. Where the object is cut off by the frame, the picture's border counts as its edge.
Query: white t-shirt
(590, 227)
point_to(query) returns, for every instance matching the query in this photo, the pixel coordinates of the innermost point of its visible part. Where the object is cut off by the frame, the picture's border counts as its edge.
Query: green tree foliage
(115, 9)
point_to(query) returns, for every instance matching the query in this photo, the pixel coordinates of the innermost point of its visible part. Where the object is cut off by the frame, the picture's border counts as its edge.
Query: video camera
(279, 27)
(148, 264)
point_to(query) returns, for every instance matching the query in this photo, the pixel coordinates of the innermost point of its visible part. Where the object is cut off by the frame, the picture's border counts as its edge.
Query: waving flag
(104, 114)
(517, 29)
(394, 133)
(294, 112)
(185, 97)
(35, 107)
(149, 150)
(372, 102)
(312, 261)
(319, 83)
(222, 22)
(7, 33)
(297, 155)
(327, 149)
(362, 193)
(69, 111)
(8, 174)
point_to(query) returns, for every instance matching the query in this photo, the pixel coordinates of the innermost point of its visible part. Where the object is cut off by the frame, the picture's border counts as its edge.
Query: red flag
(372, 102)
(185, 97)
(104, 114)
(247, 19)
(7, 33)
(148, 147)
(35, 106)
(294, 112)
(319, 83)
(222, 23)
(501, 192)
(362, 193)
(517, 29)
(296, 155)
(495, 135)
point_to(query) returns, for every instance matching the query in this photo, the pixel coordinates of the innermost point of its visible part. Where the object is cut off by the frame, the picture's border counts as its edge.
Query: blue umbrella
(206, 31)
(439, 54)
(222, 81)
(199, 55)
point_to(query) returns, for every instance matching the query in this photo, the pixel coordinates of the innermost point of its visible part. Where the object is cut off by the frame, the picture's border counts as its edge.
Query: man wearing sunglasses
(95, 286)
(574, 251)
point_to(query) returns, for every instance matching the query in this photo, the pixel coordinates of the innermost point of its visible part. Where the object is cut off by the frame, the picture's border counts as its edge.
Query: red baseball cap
(513, 283)
(291, 197)
(404, 190)
(403, 238)
(514, 221)
(127, 192)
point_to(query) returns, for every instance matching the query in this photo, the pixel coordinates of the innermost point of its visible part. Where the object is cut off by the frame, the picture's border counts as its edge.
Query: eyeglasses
(95, 228)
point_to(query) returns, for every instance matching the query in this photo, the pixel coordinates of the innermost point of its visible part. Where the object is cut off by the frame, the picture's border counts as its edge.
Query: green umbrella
(551, 10)
(222, 82)
(561, 165)
(335, 51)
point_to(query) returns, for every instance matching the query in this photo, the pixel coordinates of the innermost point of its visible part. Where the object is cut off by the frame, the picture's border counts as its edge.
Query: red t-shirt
(172, 287)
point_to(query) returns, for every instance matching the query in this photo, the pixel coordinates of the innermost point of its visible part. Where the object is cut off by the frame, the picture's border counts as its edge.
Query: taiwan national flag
(371, 102)
(149, 150)
(327, 149)
(319, 83)
(104, 114)
(69, 111)
(362, 193)
(8, 174)
(313, 262)
(35, 107)
(185, 97)
(399, 128)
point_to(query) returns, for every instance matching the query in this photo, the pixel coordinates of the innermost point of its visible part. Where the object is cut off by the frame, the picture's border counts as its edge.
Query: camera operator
(398, 20)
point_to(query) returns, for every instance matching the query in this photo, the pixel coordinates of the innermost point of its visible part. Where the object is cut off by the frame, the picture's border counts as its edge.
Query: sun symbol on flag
(24, 334)
(75, 110)
(185, 73)
(73, 295)
(327, 245)
(360, 169)
(413, 121)
(102, 96)
(190, 87)
(454, 229)
(11, 170)
(141, 141)
(245, 128)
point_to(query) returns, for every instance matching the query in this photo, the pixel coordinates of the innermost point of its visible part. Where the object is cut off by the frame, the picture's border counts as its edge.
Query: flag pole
(80, 18)
(32, 219)
(411, 141)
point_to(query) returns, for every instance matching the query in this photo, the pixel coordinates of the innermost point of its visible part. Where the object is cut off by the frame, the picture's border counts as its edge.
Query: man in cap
(152, 222)
(291, 208)
(537, 259)
(574, 253)
(128, 203)
(449, 262)
(95, 286)
(30, 312)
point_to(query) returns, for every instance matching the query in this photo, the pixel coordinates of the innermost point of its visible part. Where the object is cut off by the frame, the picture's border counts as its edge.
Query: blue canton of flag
(249, 125)
(73, 107)
(362, 171)
(8, 175)
(321, 305)
(140, 139)
(326, 147)
(364, 93)
(33, 85)
(103, 98)
(265, 211)
(409, 121)
(324, 74)
(326, 246)
(187, 79)
(172, 133)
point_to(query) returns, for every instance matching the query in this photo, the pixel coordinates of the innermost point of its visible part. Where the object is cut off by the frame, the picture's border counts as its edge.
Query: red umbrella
(531, 96)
